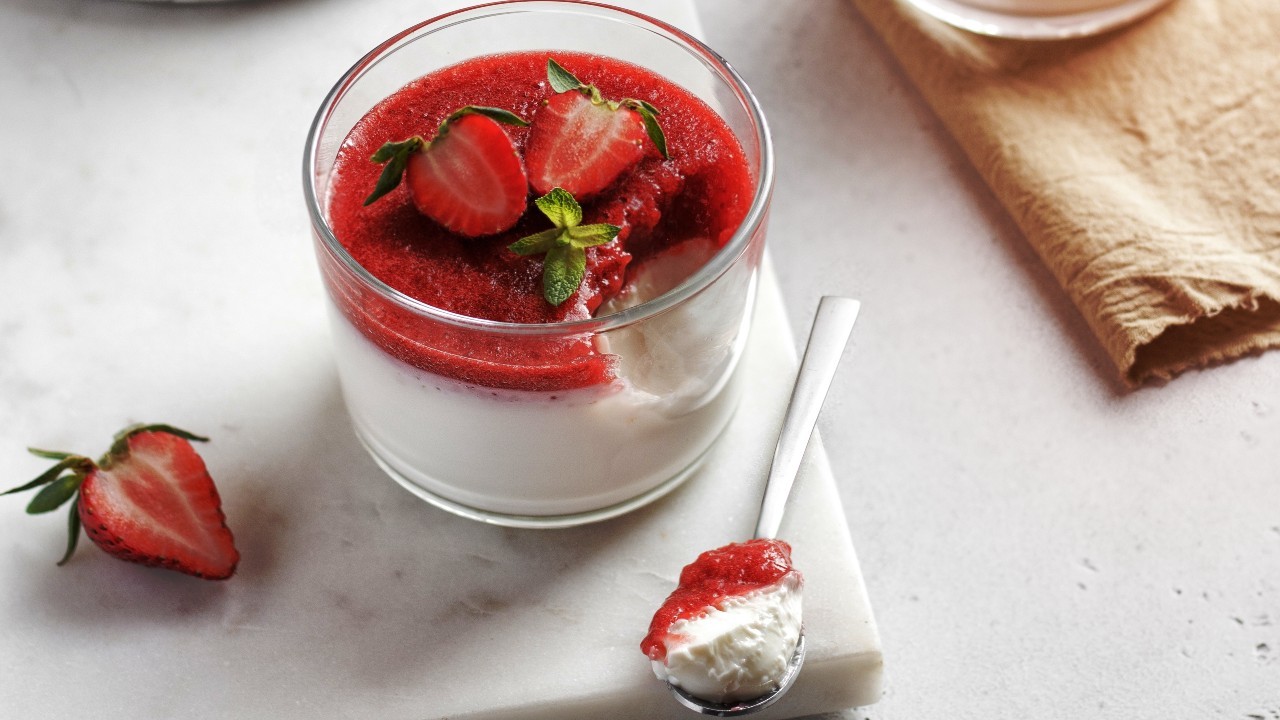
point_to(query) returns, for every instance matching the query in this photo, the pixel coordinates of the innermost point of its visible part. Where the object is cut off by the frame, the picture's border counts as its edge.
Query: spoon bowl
(745, 707)
(831, 328)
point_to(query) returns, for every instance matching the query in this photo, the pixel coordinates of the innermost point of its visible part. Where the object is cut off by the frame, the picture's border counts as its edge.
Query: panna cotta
(729, 630)
(473, 373)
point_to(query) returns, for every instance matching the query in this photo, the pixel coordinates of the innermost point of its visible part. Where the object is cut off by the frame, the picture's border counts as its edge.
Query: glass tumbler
(627, 404)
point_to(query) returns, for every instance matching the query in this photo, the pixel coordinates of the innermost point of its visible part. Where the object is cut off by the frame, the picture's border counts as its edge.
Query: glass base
(1037, 25)
(538, 522)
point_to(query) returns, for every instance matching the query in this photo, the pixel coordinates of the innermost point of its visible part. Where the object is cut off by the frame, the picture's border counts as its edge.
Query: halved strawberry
(469, 177)
(148, 500)
(581, 142)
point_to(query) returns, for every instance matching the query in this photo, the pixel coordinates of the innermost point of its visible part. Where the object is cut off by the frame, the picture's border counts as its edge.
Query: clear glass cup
(597, 445)
(1038, 19)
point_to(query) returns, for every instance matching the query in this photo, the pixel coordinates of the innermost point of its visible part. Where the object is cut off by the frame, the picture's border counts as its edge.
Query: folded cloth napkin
(1143, 165)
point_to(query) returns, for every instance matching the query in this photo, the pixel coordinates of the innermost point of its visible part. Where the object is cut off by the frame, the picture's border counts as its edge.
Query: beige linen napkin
(1143, 165)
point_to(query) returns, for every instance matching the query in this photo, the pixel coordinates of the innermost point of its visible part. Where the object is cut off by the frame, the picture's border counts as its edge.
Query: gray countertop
(1036, 540)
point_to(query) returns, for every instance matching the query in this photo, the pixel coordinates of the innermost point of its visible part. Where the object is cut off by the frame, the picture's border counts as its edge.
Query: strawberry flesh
(155, 504)
(471, 179)
(582, 146)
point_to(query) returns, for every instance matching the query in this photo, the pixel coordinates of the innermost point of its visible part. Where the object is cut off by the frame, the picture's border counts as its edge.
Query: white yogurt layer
(547, 453)
(739, 649)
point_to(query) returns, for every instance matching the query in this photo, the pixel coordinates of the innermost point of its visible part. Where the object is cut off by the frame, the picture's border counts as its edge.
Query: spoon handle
(831, 328)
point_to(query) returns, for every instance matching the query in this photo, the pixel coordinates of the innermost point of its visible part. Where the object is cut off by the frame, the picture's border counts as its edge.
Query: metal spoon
(830, 333)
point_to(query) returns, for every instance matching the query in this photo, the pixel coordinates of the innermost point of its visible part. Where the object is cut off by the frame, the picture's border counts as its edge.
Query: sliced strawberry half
(580, 146)
(582, 142)
(149, 500)
(155, 504)
(469, 178)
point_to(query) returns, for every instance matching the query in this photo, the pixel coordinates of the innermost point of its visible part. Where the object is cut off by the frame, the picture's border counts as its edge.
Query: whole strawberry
(148, 500)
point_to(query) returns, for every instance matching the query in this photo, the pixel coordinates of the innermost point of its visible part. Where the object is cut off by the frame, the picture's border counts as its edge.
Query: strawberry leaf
(537, 243)
(587, 236)
(493, 113)
(561, 80)
(560, 207)
(50, 454)
(132, 430)
(121, 439)
(562, 273)
(396, 156)
(48, 476)
(53, 495)
(649, 114)
(73, 532)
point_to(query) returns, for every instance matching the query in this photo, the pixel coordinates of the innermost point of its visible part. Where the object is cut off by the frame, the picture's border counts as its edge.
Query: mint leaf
(565, 263)
(649, 114)
(536, 243)
(561, 80)
(562, 273)
(54, 494)
(560, 207)
(591, 235)
(396, 156)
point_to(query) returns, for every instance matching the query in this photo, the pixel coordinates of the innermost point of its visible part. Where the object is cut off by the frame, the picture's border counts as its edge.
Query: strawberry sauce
(735, 569)
(703, 190)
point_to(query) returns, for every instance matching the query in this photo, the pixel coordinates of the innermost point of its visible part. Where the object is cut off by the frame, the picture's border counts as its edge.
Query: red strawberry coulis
(703, 190)
(732, 570)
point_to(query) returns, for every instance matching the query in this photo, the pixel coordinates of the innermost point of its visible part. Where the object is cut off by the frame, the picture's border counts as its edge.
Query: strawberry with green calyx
(565, 244)
(469, 177)
(148, 500)
(582, 142)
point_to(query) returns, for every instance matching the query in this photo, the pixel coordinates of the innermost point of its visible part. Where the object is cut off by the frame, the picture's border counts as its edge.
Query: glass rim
(719, 263)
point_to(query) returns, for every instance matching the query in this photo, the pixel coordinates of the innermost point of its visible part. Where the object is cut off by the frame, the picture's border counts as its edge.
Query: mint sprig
(561, 80)
(564, 245)
(396, 154)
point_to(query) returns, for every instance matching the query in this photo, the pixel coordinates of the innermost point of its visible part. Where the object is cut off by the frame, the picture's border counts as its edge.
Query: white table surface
(1036, 540)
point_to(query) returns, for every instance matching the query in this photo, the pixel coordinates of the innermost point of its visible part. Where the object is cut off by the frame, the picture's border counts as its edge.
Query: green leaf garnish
(73, 532)
(592, 235)
(565, 263)
(50, 454)
(493, 113)
(562, 272)
(560, 207)
(49, 475)
(121, 439)
(561, 80)
(649, 114)
(55, 493)
(396, 154)
(537, 243)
